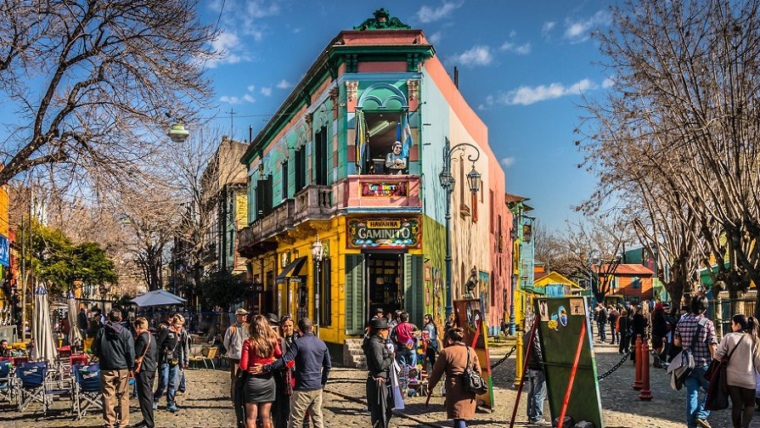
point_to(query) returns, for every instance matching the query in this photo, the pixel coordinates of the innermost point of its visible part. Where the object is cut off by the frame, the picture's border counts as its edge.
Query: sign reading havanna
(380, 233)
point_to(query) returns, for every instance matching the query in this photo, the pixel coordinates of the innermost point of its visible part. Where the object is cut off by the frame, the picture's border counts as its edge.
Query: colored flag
(406, 137)
(361, 140)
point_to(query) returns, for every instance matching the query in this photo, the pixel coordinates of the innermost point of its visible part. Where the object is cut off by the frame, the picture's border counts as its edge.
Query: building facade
(352, 160)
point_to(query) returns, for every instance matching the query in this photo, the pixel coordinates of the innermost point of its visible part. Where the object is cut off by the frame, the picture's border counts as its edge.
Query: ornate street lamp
(447, 182)
(316, 254)
(178, 133)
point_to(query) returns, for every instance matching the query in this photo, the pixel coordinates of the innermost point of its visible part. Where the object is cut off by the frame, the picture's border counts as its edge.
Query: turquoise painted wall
(435, 114)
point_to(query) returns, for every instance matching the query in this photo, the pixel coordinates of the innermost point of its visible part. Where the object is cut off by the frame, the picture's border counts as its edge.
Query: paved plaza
(206, 403)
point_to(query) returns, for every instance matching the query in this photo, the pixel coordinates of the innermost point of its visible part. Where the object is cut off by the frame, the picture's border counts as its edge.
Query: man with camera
(171, 357)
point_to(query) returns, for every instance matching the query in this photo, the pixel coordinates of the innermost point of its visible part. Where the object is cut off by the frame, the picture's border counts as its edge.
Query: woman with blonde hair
(261, 347)
(460, 403)
(741, 346)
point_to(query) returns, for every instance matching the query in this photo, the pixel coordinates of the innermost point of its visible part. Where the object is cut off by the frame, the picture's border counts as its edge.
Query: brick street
(206, 403)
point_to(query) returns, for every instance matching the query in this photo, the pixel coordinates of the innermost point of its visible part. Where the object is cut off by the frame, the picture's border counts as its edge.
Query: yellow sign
(384, 224)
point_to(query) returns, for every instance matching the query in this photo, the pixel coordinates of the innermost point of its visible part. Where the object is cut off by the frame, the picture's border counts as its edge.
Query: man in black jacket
(171, 357)
(536, 380)
(114, 347)
(379, 362)
(145, 349)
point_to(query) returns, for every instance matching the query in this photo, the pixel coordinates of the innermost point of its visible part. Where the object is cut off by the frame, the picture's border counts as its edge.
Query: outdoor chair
(6, 381)
(86, 389)
(209, 357)
(30, 386)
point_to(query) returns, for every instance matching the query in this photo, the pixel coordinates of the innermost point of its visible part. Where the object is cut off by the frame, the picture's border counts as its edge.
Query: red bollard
(646, 393)
(637, 383)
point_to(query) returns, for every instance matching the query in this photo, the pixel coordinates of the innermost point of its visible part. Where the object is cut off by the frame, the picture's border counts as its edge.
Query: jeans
(167, 376)
(406, 356)
(695, 408)
(536, 395)
(602, 330)
(460, 423)
(181, 381)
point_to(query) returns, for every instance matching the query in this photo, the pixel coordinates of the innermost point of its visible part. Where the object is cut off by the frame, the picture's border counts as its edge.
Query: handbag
(471, 379)
(139, 360)
(717, 391)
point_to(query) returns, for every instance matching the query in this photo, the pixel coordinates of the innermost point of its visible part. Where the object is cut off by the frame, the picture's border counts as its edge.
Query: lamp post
(316, 254)
(178, 133)
(447, 182)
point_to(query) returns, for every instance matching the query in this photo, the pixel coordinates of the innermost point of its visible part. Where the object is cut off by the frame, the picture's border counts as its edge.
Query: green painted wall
(434, 246)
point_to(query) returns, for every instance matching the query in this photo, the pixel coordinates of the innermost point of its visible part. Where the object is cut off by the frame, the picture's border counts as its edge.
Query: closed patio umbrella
(42, 330)
(75, 336)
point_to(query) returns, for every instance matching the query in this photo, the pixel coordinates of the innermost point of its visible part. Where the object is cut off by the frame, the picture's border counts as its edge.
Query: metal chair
(6, 381)
(86, 389)
(30, 387)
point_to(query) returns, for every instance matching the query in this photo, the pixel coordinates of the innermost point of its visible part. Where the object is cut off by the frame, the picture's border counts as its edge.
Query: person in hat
(394, 162)
(376, 313)
(274, 323)
(234, 338)
(379, 363)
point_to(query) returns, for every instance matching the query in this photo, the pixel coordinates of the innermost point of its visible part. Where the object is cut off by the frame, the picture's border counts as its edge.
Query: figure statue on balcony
(394, 162)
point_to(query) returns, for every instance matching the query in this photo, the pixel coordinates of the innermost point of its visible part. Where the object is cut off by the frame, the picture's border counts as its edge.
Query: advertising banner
(5, 252)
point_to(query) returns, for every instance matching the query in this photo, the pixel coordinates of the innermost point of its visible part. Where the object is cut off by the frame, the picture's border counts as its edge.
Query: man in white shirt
(234, 338)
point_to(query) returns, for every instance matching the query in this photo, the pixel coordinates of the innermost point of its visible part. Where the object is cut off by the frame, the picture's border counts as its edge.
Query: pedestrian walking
(403, 337)
(639, 324)
(233, 341)
(460, 404)
(625, 332)
(285, 378)
(601, 322)
(82, 323)
(171, 357)
(536, 380)
(697, 333)
(742, 347)
(432, 348)
(145, 371)
(313, 367)
(115, 349)
(614, 315)
(261, 347)
(379, 363)
(184, 340)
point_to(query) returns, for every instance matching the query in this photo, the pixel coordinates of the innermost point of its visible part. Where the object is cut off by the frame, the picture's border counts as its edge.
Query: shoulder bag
(682, 364)
(139, 360)
(717, 391)
(471, 379)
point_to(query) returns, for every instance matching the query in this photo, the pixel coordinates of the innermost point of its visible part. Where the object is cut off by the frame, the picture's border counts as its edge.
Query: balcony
(258, 238)
(314, 203)
(377, 191)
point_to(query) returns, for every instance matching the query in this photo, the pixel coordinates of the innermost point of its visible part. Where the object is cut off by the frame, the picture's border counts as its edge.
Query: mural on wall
(484, 290)
(383, 189)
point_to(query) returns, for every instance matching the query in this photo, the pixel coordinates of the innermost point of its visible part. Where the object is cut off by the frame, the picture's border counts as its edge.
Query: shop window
(320, 157)
(300, 169)
(383, 155)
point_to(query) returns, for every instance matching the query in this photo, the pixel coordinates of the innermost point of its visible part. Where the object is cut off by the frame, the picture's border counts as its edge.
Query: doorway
(385, 288)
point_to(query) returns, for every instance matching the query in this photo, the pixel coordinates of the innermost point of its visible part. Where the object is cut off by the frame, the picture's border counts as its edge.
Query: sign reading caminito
(384, 233)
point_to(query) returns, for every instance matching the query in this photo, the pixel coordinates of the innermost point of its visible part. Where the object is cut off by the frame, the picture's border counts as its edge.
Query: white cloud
(477, 55)
(284, 84)
(435, 38)
(267, 92)
(228, 45)
(580, 30)
(251, 88)
(230, 99)
(507, 161)
(526, 95)
(608, 83)
(547, 27)
(427, 14)
(245, 17)
(249, 98)
(522, 49)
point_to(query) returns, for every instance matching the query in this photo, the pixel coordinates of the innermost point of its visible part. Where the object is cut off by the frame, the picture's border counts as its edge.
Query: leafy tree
(222, 288)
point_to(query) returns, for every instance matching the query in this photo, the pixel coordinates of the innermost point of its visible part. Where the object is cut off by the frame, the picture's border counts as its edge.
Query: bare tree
(686, 78)
(90, 81)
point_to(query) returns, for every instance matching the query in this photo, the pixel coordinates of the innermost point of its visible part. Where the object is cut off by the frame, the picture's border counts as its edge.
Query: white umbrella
(42, 331)
(157, 298)
(75, 336)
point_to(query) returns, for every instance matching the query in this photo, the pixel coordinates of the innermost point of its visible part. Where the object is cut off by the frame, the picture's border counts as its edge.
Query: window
(263, 197)
(320, 157)
(325, 291)
(493, 288)
(382, 132)
(284, 174)
(490, 211)
(300, 169)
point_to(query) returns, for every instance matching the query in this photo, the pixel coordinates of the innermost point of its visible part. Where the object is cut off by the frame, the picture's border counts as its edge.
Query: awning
(291, 269)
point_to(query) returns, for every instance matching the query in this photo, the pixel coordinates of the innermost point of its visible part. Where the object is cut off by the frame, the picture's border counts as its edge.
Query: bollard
(637, 352)
(646, 393)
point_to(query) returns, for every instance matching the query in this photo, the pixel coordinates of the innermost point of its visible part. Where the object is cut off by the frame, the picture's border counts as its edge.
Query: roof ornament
(382, 21)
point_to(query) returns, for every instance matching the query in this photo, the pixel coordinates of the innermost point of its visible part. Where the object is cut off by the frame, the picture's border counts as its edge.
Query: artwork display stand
(471, 318)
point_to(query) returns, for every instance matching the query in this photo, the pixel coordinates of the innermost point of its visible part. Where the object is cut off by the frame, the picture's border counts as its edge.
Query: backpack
(682, 365)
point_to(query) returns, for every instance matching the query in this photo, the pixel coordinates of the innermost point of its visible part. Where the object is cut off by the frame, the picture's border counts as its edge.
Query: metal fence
(722, 310)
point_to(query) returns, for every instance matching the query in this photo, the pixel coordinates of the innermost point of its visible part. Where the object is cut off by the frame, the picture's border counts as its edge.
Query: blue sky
(523, 66)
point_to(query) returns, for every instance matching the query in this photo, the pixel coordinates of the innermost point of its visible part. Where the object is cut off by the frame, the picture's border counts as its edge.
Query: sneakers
(155, 406)
(703, 423)
(173, 408)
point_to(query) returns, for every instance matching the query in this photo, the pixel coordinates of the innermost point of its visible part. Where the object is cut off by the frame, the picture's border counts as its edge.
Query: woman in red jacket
(262, 347)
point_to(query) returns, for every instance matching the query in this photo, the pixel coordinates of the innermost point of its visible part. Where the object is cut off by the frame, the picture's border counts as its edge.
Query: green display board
(563, 329)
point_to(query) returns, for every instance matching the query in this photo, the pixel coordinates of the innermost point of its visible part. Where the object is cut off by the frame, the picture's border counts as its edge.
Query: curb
(395, 412)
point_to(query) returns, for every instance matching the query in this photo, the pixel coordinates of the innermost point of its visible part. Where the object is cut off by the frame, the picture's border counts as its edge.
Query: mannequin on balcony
(394, 163)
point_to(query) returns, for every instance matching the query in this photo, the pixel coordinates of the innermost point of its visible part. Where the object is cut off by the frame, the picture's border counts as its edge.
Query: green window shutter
(354, 294)
(413, 292)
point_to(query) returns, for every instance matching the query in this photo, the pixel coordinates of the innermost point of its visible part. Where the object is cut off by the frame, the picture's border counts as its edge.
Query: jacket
(379, 358)
(114, 347)
(149, 361)
(744, 363)
(312, 362)
(536, 358)
(234, 338)
(170, 346)
(460, 404)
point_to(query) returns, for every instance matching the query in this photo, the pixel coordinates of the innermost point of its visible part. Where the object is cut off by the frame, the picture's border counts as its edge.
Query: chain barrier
(615, 367)
(509, 354)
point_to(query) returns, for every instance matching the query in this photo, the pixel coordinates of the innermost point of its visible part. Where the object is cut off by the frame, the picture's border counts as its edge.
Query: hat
(397, 143)
(273, 318)
(379, 323)
(377, 311)
(241, 311)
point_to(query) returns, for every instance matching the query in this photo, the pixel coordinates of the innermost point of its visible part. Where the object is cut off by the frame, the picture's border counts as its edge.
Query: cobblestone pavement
(206, 403)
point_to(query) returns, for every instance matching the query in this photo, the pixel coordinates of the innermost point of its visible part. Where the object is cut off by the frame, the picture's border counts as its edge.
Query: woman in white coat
(743, 365)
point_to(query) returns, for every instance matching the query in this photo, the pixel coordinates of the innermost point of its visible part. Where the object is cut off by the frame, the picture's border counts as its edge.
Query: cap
(273, 319)
(241, 311)
(379, 323)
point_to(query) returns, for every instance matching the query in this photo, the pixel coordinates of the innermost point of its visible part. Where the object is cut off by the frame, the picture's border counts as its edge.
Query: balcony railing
(378, 191)
(264, 229)
(314, 203)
